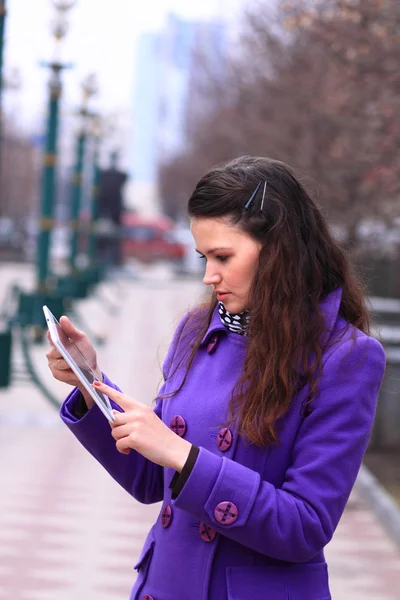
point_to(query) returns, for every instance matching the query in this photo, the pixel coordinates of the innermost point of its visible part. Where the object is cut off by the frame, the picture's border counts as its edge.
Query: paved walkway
(364, 564)
(67, 531)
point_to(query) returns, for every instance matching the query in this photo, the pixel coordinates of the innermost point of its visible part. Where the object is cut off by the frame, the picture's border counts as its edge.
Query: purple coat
(250, 522)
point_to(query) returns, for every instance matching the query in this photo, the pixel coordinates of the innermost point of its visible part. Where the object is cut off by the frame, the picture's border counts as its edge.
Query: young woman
(267, 406)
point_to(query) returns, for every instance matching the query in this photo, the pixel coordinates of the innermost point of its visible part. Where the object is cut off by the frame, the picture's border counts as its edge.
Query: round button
(166, 516)
(224, 439)
(213, 343)
(226, 513)
(178, 425)
(207, 533)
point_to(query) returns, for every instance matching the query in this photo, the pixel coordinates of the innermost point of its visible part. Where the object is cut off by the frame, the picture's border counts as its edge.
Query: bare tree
(318, 88)
(358, 46)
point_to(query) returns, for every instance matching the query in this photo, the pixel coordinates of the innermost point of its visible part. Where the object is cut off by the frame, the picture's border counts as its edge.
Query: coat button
(213, 343)
(166, 516)
(178, 425)
(224, 439)
(226, 513)
(147, 597)
(207, 533)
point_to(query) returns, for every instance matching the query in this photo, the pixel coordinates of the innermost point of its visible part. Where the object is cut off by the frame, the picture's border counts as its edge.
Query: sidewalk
(364, 564)
(67, 531)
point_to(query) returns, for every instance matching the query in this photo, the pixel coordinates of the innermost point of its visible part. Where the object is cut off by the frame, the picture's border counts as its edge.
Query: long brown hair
(300, 263)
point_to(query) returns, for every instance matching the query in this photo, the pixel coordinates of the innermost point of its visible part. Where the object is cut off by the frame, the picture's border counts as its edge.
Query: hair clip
(250, 201)
(263, 196)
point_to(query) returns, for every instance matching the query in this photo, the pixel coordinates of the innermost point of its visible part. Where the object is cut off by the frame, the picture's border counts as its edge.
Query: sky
(101, 39)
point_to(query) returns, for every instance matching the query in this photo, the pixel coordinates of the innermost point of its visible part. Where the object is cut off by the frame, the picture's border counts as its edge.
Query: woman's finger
(64, 375)
(59, 365)
(53, 354)
(120, 431)
(70, 330)
(62, 365)
(122, 446)
(125, 402)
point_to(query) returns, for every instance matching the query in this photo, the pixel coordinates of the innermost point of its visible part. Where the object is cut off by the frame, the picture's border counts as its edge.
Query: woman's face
(231, 257)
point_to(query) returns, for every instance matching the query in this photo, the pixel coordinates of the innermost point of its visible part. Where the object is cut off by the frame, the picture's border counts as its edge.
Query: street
(66, 529)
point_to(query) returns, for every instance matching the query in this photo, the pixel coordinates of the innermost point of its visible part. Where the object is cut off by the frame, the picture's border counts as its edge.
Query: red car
(149, 238)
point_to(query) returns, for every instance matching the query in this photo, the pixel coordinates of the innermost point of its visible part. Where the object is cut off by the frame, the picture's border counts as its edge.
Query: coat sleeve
(140, 477)
(295, 522)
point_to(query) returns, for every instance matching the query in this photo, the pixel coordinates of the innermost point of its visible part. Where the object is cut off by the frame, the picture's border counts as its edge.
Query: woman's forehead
(214, 224)
(217, 232)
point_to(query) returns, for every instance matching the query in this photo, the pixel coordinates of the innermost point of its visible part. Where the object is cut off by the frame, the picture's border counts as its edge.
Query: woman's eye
(219, 258)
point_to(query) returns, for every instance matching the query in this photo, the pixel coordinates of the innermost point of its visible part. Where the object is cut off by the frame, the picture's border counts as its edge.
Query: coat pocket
(146, 552)
(142, 566)
(289, 582)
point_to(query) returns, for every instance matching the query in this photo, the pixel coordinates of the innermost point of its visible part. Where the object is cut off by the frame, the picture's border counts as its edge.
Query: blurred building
(185, 44)
(142, 189)
(166, 63)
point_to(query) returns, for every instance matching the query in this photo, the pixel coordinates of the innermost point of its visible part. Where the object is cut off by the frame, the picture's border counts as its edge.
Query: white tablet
(78, 363)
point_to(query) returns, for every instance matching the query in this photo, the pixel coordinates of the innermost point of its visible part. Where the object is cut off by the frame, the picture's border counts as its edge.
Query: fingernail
(97, 383)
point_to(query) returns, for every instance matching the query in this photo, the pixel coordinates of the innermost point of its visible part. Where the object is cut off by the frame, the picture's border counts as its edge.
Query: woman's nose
(211, 277)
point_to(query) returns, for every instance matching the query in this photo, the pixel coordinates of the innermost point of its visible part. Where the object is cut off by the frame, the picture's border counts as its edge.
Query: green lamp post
(30, 304)
(5, 336)
(77, 190)
(77, 283)
(89, 88)
(46, 223)
(95, 192)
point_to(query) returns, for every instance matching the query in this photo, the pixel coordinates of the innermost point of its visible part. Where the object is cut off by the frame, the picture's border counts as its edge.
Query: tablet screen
(79, 360)
(74, 352)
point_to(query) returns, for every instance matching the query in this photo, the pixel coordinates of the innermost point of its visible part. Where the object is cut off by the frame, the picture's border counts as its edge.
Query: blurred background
(109, 115)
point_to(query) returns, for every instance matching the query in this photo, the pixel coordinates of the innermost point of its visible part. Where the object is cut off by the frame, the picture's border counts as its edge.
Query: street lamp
(28, 305)
(59, 30)
(96, 131)
(89, 89)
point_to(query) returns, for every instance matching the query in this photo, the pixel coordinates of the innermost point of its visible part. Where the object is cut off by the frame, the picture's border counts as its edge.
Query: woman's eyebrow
(213, 250)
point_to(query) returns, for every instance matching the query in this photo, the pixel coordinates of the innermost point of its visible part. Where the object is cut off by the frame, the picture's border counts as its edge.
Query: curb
(381, 502)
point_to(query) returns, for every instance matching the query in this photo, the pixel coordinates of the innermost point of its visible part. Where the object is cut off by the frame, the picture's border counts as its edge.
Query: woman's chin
(232, 306)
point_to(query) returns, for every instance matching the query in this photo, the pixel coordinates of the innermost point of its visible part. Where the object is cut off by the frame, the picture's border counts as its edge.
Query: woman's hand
(60, 368)
(142, 430)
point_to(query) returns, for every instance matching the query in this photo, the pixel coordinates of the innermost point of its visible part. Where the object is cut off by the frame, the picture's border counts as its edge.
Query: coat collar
(329, 306)
(214, 326)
